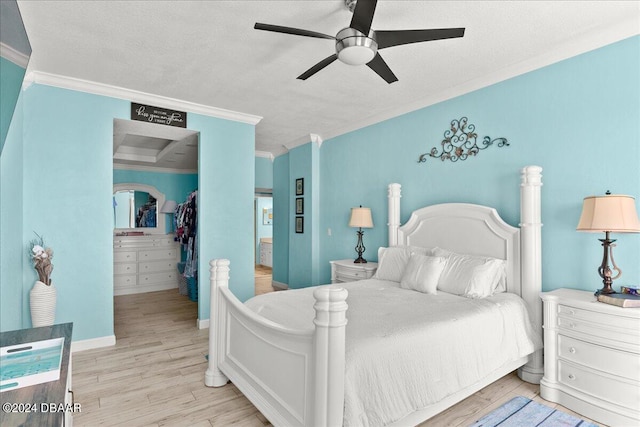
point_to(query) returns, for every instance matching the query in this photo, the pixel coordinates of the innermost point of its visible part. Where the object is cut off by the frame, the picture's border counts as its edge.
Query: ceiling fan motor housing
(354, 47)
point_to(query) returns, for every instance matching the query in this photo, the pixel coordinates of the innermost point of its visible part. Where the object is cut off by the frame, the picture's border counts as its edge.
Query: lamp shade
(169, 206)
(361, 217)
(613, 212)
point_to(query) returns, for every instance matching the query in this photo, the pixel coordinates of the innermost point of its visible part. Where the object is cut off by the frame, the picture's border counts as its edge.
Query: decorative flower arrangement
(41, 257)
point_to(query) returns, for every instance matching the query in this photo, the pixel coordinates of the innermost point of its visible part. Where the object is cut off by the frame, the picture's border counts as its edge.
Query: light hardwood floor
(263, 277)
(154, 375)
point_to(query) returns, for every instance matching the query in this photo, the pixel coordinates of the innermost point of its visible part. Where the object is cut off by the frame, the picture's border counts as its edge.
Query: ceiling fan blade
(378, 65)
(394, 38)
(363, 15)
(319, 66)
(289, 30)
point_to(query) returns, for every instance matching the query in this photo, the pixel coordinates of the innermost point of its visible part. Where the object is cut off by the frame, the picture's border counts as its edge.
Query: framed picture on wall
(299, 186)
(267, 216)
(299, 205)
(299, 224)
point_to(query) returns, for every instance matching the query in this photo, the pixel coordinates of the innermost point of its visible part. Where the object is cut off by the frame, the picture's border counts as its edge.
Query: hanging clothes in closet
(186, 226)
(146, 215)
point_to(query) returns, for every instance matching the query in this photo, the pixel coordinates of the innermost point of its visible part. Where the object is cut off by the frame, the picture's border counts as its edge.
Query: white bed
(300, 364)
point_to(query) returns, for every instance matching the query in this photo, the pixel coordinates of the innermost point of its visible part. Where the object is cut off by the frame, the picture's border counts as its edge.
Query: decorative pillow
(471, 276)
(422, 273)
(391, 263)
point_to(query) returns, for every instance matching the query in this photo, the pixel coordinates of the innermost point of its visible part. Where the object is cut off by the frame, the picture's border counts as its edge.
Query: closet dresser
(144, 263)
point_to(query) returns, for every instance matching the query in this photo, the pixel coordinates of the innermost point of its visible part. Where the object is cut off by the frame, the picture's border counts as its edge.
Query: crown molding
(316, 139)
(95, 88)
(10, 54)
(265, 154)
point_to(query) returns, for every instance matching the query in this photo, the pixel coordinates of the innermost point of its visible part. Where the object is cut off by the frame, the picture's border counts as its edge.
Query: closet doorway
(163, 161)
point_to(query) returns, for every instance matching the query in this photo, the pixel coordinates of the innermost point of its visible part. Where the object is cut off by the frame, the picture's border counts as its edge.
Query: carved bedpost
(329, 350)
(531, 252)
(213, 377)
(394, 213)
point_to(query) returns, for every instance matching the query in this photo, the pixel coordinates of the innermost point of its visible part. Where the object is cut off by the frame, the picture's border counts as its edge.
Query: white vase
(42, 299)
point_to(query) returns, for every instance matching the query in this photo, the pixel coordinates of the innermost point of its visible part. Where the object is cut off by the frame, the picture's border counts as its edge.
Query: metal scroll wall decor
(460, 142)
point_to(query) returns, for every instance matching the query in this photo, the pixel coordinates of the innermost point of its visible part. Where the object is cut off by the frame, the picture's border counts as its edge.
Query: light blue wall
(11, 76)
(68, 144)
(578, 119)
(304, 248)
(264, 172)
(12, 249)
(175, 186)
(62, 159)
(225, 219)
(282, 188)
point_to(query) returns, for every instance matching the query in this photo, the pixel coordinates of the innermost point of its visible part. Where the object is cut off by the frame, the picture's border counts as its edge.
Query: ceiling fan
(358, 44)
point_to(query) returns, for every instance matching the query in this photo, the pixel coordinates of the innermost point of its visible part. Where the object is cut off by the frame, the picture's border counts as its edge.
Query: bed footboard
(294, 377)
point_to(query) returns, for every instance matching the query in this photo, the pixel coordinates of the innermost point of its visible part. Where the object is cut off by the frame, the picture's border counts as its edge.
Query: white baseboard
(92, 343)
(203, 324)
(279, 285)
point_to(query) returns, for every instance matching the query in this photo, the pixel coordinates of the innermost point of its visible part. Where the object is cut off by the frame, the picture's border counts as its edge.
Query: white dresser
(144, 263)
(592, 357)
(266, 251)
(345, 270)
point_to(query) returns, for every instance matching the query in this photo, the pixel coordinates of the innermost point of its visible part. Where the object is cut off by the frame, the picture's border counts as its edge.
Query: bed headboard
(466, 229)
(479, 230)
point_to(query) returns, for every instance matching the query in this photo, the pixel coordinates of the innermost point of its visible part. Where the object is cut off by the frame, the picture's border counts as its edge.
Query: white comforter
(406, 350)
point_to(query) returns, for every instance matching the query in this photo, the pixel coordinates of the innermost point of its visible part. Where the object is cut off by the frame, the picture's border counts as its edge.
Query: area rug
(523, 412)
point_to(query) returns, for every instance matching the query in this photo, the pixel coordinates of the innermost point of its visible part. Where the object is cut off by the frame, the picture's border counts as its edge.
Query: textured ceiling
(207, 52)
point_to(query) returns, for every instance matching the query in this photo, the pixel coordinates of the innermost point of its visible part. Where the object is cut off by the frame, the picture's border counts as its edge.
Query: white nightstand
(592, 357)
(345, 270)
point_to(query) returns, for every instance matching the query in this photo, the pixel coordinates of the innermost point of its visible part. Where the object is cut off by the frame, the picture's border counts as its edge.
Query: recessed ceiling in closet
(146, 144)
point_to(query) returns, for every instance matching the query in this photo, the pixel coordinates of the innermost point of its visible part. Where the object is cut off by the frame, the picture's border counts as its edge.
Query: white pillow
(471, 276)
(422, 273)
(391, 263)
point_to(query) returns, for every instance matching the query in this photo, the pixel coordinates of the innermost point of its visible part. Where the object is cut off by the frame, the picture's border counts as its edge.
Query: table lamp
(169, 207)
(361, 218)
(611, 213)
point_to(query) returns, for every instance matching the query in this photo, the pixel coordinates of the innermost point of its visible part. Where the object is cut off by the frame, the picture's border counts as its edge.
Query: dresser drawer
(618, 328)
(125, 268)
(155, 266)
(609, 388)
(351, 274)
(156, 255)
(598, 357)
(614, 322)
(154, 278)
(125, 256)
(125, 280)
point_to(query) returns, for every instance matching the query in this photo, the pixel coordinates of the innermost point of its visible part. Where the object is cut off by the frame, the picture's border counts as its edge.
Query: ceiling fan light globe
(354, 48)
(356, 55)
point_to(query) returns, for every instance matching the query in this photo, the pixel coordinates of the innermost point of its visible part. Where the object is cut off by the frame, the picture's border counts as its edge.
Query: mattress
(406, 350)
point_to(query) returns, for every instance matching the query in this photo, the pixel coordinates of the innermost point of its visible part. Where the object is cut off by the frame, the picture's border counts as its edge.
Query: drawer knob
(572, 325)
(572, 377)
(572, 350)
(572, 312)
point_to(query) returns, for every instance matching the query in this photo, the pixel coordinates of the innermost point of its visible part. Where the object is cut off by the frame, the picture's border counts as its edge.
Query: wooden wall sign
(158, 115)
